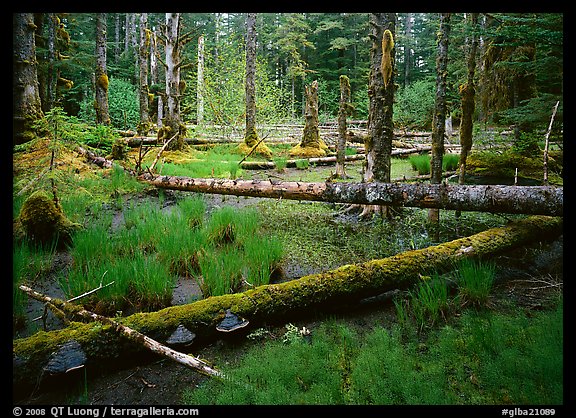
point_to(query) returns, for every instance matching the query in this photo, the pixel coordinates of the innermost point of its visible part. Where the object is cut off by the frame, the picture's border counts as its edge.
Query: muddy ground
(530, 276)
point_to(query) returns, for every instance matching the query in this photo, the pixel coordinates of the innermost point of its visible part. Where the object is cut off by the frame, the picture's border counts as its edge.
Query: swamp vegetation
(291, 300)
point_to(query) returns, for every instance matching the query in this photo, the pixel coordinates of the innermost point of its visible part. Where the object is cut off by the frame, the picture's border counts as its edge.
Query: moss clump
(308, 152)
(43, 222)
(119, 150)
(261, 149)
(386, 64)
(103, 81)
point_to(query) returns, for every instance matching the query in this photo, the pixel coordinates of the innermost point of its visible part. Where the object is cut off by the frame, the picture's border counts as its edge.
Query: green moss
(267, 302)
(307, 152)
(386, 64)
(261, 150)
(43, 222)
(103, 81)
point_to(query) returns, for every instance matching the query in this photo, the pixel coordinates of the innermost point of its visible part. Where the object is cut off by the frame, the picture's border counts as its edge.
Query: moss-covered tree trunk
(144, 53)
(378, 144)
(251, 135)
(101, 101)
(311, 144)
(343, 112)
(26, 105)
(276, 302)
(439, 119)
(468, 93)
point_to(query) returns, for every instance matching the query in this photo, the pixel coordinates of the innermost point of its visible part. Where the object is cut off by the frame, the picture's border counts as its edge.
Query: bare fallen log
(273, 303)
(534, 200)
(100, 161)
(133, 335)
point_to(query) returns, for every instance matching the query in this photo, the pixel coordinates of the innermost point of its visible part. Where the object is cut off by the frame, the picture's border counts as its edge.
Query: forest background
(519, 66)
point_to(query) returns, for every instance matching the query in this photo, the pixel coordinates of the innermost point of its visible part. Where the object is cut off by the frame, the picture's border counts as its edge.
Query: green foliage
(123, 105)
(478, 359)
(414, 105)
(475, 280)
(421, 163)
(429, 301)
(302, 164)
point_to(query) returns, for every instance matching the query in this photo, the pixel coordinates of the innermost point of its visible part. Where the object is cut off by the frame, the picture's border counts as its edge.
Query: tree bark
(171, 123)
(276, 302)
(343, 112)
(381, 97)
(252, 143)
(311, 144)
(439, 122)
(200, 83)
(26, 104)
(537, 200)
(468, 93)
(144, 51)
(250, 136)
(101, 105)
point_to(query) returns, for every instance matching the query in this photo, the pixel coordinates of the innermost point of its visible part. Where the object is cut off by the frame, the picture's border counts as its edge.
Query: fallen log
(259, 165)
(534, 200)
(137, 337)
(272, 303)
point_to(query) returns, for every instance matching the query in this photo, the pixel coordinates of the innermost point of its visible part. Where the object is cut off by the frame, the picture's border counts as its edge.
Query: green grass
(421, 163)
(475, 281)
(477, 359)
(149, 247)
(429, 301)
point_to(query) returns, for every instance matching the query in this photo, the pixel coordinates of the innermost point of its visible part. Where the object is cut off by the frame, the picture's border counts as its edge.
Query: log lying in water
(534, 200)
(275, 302)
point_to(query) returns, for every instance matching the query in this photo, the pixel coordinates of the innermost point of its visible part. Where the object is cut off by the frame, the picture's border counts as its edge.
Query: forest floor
(529, 276)
(161, 382)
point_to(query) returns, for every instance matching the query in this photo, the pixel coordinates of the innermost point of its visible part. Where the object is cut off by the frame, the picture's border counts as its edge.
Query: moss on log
(275, 302)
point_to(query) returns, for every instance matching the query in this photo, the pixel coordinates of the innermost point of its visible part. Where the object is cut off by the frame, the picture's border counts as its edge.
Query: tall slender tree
(172, 128)
(144, 52)
(345, 109)
(101, 77)
(439, 119)
(200, 82)
(468, 92)
(378, 144)
(251, 138)
(26, 105)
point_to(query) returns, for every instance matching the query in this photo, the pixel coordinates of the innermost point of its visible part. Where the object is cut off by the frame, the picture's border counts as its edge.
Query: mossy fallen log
(529, 200)
(274, 302)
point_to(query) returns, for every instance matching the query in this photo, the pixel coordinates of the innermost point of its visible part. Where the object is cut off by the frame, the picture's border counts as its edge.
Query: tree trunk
(407, 48)
(311, 144)
(101, 105)
(537, 200)
(345, 109)
(272, 303)
(26, 105)
(144, 51)
(381, 95)
(171, 124)
(468, 92)
(251, 134)
(439, 122)
(200, 83)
